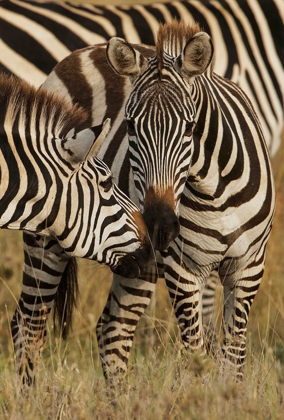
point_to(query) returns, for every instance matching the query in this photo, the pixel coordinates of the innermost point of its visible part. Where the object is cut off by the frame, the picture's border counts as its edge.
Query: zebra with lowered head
(202, 177)
(53, 184)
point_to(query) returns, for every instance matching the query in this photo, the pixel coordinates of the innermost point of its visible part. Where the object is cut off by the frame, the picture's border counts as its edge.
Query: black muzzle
(162, 224)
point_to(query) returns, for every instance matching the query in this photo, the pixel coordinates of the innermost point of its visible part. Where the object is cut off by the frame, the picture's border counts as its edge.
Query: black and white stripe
(248, 36)
(53, 184)
(226, 209)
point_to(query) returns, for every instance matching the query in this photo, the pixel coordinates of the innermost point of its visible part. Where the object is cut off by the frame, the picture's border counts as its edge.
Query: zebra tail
(66, 299)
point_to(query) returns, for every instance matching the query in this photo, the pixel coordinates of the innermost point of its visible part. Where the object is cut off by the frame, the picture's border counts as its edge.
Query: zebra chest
(210, 236)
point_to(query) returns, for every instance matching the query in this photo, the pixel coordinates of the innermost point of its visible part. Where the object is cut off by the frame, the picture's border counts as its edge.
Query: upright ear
(124, 59)
(101, 133)
(196, 56)
(80, 146)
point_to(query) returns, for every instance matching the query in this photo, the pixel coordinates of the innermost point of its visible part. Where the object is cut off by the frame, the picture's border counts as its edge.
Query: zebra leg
(185, 288)
(126, 304)
(209, 320)
(238, 298)
(186, 300)
(44, 265)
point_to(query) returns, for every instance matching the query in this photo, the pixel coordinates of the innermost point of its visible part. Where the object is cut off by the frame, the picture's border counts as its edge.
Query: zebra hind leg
(209, 318)
(44, 265)
(29, 333)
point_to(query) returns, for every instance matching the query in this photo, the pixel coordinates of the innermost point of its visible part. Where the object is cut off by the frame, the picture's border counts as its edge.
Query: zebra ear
(196, 56)
(102, 131)
(85, 143)
(124, 59)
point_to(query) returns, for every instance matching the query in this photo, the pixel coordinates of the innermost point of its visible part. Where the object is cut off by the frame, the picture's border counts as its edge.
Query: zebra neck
(227, 145)
(30, 183)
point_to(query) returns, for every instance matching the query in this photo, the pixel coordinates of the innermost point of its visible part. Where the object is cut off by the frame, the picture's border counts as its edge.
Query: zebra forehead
(172, 38)
(160, 103)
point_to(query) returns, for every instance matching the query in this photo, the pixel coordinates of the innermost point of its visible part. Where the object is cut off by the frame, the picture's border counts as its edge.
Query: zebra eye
(107, 184)
(130, 127)
(189, 128)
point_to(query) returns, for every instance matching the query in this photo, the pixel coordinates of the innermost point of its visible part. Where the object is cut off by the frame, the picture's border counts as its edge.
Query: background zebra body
(52, 184)
(199, 216)
(248, 36)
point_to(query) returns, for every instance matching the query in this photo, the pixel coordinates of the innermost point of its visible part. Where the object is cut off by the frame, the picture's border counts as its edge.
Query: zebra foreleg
(44, 266)
(126, 304)
(238, 299)
(185, 293)
(187, 306)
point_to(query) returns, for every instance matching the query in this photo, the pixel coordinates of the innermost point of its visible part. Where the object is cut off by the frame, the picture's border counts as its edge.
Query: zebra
(52, 184)
(248, 36)
(198, 154)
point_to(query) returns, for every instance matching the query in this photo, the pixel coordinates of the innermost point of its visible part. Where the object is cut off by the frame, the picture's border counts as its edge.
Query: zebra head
(160, 116)
(102, 222)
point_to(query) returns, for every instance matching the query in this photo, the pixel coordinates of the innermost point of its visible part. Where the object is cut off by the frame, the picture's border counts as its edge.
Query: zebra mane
(172, 38)
(17, 96)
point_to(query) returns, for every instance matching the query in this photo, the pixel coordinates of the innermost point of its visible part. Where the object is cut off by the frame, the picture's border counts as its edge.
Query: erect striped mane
(172, 38)
(17, 96)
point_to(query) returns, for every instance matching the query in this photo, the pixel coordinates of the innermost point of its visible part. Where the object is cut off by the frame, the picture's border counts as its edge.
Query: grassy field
(162, 383)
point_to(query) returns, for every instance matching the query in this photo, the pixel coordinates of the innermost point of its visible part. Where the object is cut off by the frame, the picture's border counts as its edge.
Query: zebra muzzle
(136, 264)
(163, 225)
